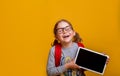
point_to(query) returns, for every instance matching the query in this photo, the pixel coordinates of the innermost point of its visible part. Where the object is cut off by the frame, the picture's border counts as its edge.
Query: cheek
(72, 33)
(58, 37)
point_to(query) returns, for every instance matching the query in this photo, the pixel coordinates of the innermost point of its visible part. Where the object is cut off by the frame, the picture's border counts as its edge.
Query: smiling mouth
(66, 36)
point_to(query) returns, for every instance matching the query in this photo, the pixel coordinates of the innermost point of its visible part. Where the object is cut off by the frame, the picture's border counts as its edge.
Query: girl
(67, 38)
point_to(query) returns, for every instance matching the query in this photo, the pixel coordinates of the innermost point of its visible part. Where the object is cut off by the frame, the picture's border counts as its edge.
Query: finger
(107, 60)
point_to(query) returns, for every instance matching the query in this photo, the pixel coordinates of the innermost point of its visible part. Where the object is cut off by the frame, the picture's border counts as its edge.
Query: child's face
(64, 33)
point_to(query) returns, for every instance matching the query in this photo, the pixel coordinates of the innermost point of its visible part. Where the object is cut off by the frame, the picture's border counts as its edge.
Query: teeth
(65, 36)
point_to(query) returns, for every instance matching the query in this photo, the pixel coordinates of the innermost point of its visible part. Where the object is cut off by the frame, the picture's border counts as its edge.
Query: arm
(52, 70)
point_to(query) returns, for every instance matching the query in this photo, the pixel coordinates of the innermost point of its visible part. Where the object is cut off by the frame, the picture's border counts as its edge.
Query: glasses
(61, 30)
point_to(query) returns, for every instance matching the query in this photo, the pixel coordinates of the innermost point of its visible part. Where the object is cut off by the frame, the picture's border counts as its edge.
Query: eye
(68, 28)
(59, 30)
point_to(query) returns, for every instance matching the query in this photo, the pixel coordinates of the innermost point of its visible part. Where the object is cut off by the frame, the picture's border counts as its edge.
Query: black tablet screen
(91, 60)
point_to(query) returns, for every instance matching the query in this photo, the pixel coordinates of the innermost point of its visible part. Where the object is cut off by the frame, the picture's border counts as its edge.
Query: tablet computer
(91, 60)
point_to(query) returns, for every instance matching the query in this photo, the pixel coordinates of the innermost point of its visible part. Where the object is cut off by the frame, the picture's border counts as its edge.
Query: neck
(65, 45)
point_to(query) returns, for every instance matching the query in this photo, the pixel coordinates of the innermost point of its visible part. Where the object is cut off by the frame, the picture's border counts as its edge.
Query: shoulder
(80, 44)
(52, 50)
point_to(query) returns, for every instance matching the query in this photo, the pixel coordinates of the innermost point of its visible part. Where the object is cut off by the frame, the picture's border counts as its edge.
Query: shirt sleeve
(52, 70)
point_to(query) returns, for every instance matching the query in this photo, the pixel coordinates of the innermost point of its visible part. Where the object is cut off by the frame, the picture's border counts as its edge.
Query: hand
(71, 65)
(108, 59)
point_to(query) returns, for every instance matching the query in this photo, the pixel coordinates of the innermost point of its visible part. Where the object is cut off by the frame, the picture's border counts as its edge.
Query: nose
(64, 31)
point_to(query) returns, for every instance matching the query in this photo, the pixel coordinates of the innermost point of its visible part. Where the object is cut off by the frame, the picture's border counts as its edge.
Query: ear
(74, 33)
(56, 37)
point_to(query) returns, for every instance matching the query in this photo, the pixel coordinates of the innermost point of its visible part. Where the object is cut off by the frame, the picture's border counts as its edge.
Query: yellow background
(26, 32)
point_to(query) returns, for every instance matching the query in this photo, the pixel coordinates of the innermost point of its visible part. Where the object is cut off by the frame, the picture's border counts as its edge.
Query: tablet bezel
(93, 52)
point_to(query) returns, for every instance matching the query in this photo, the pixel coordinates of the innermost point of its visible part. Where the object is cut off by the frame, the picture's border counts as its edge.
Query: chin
(67, 41)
